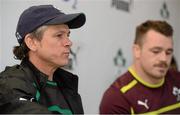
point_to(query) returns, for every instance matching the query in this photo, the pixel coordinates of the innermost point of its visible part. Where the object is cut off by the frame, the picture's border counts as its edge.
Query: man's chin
(63, 64)
(160, 75)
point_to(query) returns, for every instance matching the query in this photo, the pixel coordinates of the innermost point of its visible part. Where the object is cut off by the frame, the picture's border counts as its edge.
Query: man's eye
(68, 34)
(155, 52)
(59, 35)
(62, 35)
(169, 52)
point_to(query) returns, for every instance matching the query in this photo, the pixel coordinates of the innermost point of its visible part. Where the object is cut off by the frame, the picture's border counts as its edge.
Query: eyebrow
(159, 48)
(62, 32)
(170, 49)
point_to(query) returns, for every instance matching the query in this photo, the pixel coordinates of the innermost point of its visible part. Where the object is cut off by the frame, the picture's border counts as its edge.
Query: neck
(43, 66)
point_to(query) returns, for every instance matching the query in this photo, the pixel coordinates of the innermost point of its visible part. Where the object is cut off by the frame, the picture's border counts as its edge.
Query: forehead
(156, 39)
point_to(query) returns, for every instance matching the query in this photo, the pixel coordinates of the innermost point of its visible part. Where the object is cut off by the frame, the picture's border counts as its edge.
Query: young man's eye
(155, 51)
(169, 52)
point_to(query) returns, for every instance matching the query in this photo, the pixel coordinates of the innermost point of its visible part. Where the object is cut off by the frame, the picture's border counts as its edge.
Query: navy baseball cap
(36, 16)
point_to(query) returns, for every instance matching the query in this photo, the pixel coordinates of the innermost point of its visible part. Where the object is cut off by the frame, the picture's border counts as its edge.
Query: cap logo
(18, 36)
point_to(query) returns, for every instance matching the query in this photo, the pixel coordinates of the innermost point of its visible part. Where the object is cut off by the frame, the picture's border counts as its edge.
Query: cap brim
(72, 20)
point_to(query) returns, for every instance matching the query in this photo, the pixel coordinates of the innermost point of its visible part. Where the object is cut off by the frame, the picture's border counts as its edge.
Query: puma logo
(143, 103)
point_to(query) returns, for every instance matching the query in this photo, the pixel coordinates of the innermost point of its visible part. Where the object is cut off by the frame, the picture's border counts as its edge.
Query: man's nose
(163, 56)
(68, 42)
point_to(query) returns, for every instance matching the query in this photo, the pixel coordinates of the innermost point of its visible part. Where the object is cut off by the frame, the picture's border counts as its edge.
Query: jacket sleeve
(12, 101)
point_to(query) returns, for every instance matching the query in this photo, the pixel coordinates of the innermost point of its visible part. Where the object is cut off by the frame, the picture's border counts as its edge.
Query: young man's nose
(164, 56)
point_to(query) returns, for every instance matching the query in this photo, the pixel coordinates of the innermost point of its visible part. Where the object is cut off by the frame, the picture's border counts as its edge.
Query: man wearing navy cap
(38, 84)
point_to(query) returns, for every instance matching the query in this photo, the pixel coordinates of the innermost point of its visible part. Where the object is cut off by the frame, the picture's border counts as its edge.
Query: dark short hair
(157, 25)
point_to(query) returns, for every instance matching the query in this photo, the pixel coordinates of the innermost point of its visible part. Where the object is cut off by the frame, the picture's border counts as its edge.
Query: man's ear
(136, 50)
(30, 42)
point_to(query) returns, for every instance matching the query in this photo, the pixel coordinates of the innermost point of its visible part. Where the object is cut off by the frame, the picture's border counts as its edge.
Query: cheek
(145, 56)
(55, 49)
(169, 61)
(148, 59)
(51, 45)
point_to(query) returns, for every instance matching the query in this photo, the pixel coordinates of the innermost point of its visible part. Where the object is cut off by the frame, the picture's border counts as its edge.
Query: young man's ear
(30, 42)
(136, 51)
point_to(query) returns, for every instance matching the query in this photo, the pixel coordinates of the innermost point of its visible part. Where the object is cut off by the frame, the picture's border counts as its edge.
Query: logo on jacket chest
(143, 103)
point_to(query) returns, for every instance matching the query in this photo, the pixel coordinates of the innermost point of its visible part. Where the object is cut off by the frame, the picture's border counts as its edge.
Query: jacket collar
(64, 78)
(38, 77)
